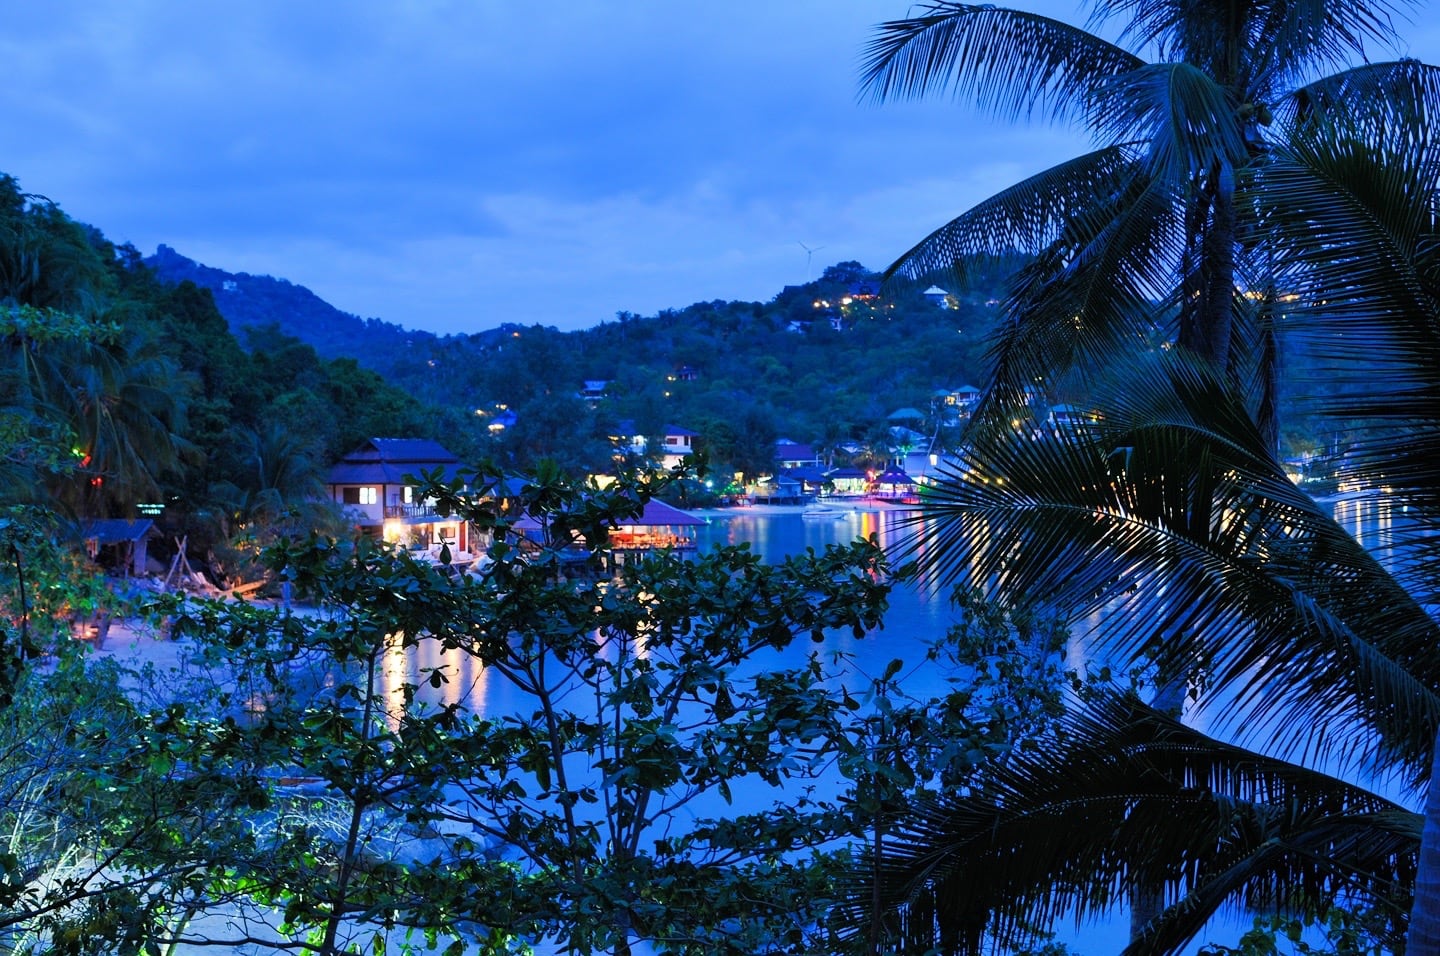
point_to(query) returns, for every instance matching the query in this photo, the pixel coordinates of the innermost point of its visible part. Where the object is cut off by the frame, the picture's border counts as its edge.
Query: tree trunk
(1218, 268)
(1423, 938)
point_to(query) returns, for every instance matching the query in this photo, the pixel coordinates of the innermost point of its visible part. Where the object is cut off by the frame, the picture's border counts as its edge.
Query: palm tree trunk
(1218, 265)
(1423, 938)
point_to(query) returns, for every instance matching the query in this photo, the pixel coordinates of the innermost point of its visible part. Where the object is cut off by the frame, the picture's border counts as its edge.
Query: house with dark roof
(865, 289)
(375, 486)
(593, 390)
(676, 442)
(792, 454)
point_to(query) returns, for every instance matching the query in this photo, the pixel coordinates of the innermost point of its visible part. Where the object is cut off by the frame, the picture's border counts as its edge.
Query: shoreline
(134, 641)
(841, 505)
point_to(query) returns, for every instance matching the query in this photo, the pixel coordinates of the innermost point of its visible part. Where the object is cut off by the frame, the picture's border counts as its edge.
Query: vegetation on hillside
(118, 391)
(780, 368)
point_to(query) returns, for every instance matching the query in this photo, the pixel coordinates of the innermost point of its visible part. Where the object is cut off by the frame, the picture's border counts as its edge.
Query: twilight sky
(453, 164)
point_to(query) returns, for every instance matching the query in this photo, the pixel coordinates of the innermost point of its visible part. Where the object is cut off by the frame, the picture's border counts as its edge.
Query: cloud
(446, 164)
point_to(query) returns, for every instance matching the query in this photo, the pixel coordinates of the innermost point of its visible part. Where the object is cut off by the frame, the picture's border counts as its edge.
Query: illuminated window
(369, 495)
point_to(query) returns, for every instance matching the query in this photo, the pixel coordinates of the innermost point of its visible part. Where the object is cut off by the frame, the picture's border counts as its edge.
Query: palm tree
(119, 400)
(1234, 825)
(1172, 520)
(278, 493)
(1172, 516)
(1309, 646)
(1149, 234)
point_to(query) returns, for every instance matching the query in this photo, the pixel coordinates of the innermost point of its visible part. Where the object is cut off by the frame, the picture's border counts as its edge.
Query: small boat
(819, 509)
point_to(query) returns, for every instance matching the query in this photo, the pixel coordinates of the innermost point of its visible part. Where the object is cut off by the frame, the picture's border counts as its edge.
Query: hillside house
(962, 399)
(592, 390)
(676, 443)
(375, 487)
(865, 290)
(939, 297)
(906, 417)
(1064, 417)
(501, 420)
(791, 454)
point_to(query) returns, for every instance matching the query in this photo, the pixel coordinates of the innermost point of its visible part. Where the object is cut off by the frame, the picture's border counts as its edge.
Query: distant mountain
(249, 301)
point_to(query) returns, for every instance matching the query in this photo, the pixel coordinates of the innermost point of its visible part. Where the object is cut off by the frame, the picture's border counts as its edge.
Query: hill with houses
(827, 363)
(846, 364)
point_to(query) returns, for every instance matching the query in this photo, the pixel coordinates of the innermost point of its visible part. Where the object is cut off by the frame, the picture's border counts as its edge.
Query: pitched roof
(625, 428)
(401, 450)
(794, 451)
(388, 460)
(659, 513)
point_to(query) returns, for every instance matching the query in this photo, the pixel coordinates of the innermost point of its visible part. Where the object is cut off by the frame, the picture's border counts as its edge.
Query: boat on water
(820, 509)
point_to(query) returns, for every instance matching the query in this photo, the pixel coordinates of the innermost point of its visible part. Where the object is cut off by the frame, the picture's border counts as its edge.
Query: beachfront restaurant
(658, 527)
(893, 485)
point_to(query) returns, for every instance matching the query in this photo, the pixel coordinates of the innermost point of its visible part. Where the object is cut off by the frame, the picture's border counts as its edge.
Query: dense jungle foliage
(129, 388)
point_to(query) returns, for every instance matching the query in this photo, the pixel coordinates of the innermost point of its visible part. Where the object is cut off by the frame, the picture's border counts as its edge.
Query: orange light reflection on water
(460, 679)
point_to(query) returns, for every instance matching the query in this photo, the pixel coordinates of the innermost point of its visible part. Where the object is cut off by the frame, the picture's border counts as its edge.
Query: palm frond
(1282, 42)
(1126, 799)
(1007, 61)
(1088, 297)
(1397, 100)
(1027, 217)
(1357, 216)
(1179, 533)
(1185, 116)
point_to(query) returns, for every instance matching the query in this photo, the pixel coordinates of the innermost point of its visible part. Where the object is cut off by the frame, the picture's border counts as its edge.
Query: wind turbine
(809, 253)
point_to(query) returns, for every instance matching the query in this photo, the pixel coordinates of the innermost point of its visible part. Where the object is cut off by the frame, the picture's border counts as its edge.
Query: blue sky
(454, 165)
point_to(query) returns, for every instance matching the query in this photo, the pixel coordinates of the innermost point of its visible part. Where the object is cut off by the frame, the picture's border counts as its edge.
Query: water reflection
(914, 620)
(441, 678)
(1370, 519)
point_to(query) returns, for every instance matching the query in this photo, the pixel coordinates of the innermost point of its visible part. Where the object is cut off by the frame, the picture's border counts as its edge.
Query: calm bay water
(913, 621)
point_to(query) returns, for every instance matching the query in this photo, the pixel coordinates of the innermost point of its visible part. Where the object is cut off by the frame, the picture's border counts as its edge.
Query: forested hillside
(123, 388)
(817, 364)
(120, 393)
